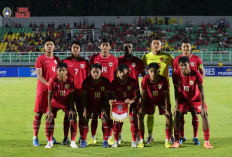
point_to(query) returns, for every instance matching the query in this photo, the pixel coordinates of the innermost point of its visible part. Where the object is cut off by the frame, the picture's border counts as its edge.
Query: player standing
(78, 69)
(164, 60)
(125, 88)
(109, 65)
(60, 96)
(46, 69)
(155, 92)
(189, 94)
(195, 64)
(135, 65)
(95, 96)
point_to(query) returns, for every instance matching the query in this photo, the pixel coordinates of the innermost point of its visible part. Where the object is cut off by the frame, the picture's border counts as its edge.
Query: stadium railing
(14, 57)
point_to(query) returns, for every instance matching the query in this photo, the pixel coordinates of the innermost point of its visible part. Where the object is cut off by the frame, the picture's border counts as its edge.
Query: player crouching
(60, 96)
(155, 92)
(125, 88)
(189, 93)
(95, 96)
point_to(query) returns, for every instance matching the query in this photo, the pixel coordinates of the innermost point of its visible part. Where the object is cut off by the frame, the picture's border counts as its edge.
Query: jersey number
(62, 93)
(97, 94)
(54, 69)
(186, 88)
(76, 71)
(154, 93)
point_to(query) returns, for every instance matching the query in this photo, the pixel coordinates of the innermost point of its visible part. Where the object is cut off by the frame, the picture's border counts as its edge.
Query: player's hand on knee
(176, 111)
(72, 116)
(204, 112)
(85, 114)
(141, 111)
(48, 116)
(168, 113)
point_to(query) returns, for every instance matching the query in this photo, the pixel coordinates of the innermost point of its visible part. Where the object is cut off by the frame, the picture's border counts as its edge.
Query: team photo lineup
(108, 88)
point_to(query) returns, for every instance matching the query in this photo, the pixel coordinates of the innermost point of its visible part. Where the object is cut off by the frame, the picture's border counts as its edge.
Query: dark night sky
(121, 7)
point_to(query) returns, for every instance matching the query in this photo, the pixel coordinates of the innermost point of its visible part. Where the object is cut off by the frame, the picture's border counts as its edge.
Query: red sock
(73, 130)
(168, 133)
(206, 134)
(66, 125)
(105, 130)
(49, 128)
(141, 134)
(116, 130)
(177, 135)
(94, 124)
(36, 124)
(80, 124)
(195, 123)
(110, 125)
(182, 122)
(85, 130)
(134, 127)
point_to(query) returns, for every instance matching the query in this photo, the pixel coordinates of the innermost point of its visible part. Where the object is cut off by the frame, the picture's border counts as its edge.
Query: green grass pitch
(17, 99)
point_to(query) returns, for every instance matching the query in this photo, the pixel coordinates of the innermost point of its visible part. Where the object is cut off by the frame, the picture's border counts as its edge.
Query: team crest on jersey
(66, 86)
(128, 87)
(191, 82)
(110, 64)
(82, 66)
(159, 86)
(133, 65)
(192, 64)
(55, 61)
(102, 88)
(161, 59)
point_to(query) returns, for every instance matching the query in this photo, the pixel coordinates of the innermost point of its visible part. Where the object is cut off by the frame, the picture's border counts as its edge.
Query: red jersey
(78, 69)
(61, 90)
(95, 91)
(48, 66)
(125, 90)
(195, 62)
(155, 90)
(188, 86)
(109, 65)
(135, 66)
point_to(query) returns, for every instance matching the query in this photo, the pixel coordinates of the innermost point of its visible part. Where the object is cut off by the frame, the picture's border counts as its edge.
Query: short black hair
(187, 41)
(156, 38)
(76, 42)
(127, 42)
(61, 65)
(153, 65)
(183, 59)
(122, 67)
(96, 65)
(49, 39)
(105, 40)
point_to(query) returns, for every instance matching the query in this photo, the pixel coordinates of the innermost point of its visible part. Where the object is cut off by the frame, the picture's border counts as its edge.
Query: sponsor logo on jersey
(55, 61)
(102, 88)
(159, 86)
(70, 65)
(47, 61)
(128, 87)
(110, 64)
(192, 64)
(82, 66)
(191, 82)
(161, 59)
(7, 12)
(133, 64)
(66, 86)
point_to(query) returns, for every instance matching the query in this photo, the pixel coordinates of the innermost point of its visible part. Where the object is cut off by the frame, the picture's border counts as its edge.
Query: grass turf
(17, 101)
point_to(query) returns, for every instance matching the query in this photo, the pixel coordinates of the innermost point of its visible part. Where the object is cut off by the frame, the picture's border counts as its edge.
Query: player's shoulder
(146, 78)
(69, 79)
(166, 54)
(194, 72)
(67, 59)
(56, 57)
(121, 58)
(95, 56)
(113, 57)
(176, 58)
(149, 54)
(162, 78)
(105, 80)
(195, 57)
(177, 72)
(41, 57)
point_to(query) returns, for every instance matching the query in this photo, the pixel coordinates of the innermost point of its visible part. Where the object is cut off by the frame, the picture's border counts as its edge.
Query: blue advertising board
(31, 72)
